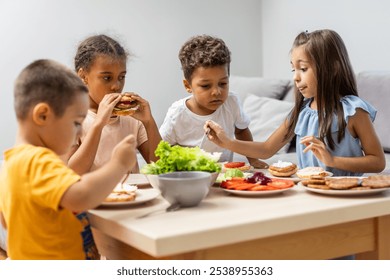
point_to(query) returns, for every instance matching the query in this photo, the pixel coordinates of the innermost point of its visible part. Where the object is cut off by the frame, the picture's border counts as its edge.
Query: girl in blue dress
(332, 124)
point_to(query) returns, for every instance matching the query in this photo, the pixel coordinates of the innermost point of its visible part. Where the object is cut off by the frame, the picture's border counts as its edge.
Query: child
(39, 193)
(205, 62)
(333, 125)
(100, 62)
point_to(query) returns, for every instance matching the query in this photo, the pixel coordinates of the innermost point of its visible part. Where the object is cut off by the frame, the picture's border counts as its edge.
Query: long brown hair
(335, 79)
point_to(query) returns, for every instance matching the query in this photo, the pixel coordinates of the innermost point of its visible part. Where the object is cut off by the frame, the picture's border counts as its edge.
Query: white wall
(363, 25)
(258, 32)
(153, 30)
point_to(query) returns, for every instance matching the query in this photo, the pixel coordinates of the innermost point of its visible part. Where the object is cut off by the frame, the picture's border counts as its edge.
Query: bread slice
(306, 173)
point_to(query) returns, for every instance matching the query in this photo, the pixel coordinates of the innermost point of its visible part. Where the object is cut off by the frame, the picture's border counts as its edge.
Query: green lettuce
(178, 158)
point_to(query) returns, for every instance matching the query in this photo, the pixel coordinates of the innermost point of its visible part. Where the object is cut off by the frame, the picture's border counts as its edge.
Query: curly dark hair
(94, 46)
(203, 51)
(46, 81)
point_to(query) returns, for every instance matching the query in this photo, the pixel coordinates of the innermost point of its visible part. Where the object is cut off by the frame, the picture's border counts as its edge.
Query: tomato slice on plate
(234, 164)
(240, 184)
(263, 188)
(280, 184)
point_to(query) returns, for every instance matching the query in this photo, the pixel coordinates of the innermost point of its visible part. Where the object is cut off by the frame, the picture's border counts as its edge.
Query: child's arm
(249, 148)
(361, 127)
(246, 135)
(94, 187)
(144, 115)
(82, 159)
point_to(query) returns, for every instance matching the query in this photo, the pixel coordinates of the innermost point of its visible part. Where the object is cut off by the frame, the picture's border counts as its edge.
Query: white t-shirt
(112, 133)
(185, 128)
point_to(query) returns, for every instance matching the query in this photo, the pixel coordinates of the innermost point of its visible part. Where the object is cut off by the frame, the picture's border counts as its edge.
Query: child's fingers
(309, 147)
(307, 139)
(111, 99)
(212, 126)
(206, 128)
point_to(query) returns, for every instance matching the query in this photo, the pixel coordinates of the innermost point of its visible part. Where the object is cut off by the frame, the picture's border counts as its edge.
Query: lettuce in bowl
(178, 158)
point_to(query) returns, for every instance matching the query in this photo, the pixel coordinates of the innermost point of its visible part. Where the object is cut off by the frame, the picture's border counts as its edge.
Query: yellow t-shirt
(33, 181)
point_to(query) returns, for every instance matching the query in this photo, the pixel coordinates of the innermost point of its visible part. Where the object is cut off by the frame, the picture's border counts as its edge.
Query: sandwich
(283, 169)
(237, 165)
(307, 172)
(122, 193)
(127, 106)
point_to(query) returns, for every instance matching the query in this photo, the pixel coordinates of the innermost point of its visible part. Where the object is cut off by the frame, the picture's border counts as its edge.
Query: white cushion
(374, 87)
(266, 114)
(265, 87)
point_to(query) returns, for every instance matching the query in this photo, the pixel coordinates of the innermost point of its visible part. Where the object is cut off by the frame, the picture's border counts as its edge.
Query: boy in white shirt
(205, 62)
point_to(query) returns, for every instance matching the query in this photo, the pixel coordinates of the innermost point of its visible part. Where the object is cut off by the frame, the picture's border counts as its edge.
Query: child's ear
(41, 113)
(187, 86)
(81, 73)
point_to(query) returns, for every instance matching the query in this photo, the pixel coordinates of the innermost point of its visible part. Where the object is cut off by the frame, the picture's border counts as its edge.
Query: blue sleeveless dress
(349, 146)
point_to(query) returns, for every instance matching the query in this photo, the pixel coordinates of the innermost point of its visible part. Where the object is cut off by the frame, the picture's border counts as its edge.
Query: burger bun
(126, 106)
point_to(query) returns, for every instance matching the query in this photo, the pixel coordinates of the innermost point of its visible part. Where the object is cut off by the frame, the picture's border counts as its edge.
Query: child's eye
(293, 70)
(303, 69)
(204, 86)
(224, 84)
(122, 77)
(77, 124)
(106, 78)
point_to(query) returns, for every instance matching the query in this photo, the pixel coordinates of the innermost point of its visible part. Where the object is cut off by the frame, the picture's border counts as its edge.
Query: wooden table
(296, 224)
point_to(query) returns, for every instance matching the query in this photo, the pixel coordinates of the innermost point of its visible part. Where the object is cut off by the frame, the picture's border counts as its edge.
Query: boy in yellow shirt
(38, 192)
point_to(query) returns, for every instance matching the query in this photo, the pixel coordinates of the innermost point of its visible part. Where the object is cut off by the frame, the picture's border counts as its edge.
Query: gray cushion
(266, 114)
(262, 87)
(290, 92)
(374, 87)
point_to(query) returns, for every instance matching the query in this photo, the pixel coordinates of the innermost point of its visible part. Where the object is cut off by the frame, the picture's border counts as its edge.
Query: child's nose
(296, 76)
(216, 91)
(116, 86)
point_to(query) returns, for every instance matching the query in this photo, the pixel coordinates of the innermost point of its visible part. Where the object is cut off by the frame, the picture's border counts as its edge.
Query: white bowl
(153, 179)
(186, 188)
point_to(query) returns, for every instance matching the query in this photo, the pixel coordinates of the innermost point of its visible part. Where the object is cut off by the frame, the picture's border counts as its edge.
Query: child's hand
(318, 148)
(216, 134)
(106, 106)
(125, 152)
(143, 113)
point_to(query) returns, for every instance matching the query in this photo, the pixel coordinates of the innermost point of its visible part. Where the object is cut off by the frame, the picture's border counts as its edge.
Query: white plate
(294, 177)
(126, 187)
(255, 193)
(345, 192)
(142, 196)
(138, 179)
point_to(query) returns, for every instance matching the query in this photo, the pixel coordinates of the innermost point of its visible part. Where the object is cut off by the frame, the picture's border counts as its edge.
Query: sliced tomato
(280, 184)
(237, 183)
(262, 188)
(234, 164)
(241, 184)
(244, 186)
(229, 184)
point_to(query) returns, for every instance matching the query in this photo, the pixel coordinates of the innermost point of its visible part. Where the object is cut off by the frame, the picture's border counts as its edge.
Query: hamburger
(126, 106)
(237, 165)
(283, 169)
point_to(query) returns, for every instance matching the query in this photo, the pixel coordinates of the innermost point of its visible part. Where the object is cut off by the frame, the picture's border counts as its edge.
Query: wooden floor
(3, 254)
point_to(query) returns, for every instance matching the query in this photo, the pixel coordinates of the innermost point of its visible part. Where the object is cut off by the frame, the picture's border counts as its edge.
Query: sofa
(268, 101)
